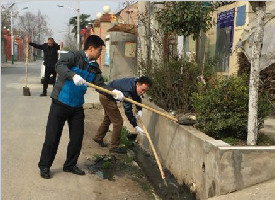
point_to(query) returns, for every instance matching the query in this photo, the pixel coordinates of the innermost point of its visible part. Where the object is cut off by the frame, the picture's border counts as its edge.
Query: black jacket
(50, 53)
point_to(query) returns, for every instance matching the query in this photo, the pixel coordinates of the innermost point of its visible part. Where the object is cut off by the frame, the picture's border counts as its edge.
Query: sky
(58, 18)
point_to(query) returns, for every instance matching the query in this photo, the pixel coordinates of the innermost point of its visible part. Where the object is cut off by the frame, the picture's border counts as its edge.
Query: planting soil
(120, 177)
(134, 175)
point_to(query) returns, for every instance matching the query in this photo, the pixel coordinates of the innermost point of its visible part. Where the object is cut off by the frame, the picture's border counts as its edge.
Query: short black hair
(144, 80)
(94, 41)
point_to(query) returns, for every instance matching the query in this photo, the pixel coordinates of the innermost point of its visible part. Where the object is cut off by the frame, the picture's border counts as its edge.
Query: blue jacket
(71, 94)
(75, 62)
(128, 87)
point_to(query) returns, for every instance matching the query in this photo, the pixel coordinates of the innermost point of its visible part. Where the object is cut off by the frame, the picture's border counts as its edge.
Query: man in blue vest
(74, 69)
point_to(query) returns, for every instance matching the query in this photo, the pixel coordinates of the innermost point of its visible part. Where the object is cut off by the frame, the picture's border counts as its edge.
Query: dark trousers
(59, 113)
(49, 69)
(111, 115)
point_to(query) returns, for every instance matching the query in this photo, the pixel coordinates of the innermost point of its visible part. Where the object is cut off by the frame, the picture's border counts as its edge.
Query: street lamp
(12, 56)
(11, 29)
(78, 24)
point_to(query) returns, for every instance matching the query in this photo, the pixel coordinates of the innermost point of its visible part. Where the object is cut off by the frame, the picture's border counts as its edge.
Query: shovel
(26, 89)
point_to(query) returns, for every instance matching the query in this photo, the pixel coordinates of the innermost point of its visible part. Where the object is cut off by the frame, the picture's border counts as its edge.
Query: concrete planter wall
(212, 166)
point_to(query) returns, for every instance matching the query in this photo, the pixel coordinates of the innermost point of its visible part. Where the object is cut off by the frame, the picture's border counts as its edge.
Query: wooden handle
(26, 64)
(59, 52)
(152, 146)
(133, 102)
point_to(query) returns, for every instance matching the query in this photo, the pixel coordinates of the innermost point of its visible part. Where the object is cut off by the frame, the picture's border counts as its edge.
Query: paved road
(23, 122)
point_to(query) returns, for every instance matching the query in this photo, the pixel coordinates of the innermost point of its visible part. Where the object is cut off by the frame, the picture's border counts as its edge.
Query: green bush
(175, 81)
(123, 137)
(105, 79)
(222, 111)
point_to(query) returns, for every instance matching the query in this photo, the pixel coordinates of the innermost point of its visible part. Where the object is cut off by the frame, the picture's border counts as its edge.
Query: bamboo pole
(133, 102)
(153, 148)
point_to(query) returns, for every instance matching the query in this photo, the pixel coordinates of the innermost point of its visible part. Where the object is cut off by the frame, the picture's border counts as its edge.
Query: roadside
(129, 181)
(23, 123)
(269, 128)
(262, 191)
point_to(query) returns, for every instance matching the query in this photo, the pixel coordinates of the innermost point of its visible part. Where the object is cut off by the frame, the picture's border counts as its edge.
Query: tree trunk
(252, 129)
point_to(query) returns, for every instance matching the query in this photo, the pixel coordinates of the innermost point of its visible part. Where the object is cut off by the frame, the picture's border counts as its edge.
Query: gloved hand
(138, 114)
(119, 95)
(78, 80)
(139, 130)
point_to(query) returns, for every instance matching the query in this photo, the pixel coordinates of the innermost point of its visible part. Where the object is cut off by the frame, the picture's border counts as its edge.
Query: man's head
(50, 42)
(93, 47)
(143, 83)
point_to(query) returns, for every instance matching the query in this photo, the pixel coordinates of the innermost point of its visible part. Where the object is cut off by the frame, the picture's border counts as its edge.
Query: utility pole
(12, 56)
(148, 32)
(252, 128)
(32, 48)
(78, 25)
(78, 21)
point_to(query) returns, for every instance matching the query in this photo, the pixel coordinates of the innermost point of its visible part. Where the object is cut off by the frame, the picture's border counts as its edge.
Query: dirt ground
(128, 183)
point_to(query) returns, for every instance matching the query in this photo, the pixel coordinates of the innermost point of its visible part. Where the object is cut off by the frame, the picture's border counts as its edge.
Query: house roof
(126, 28)
(105, 18)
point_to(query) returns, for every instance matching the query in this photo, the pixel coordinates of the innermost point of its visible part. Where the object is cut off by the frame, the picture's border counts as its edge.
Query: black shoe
(121, 150)
(100, 143)
(43, 94)
(74, 170)
(45, 173)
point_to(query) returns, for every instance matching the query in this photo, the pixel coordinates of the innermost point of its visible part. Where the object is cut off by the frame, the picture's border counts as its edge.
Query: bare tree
(6, 15)
(33, 26)
(69, 42)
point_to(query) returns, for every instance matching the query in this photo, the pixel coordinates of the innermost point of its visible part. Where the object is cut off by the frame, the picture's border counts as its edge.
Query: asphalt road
(23, 122)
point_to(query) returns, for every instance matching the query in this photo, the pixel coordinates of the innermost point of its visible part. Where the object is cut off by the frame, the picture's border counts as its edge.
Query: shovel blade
(26, 91)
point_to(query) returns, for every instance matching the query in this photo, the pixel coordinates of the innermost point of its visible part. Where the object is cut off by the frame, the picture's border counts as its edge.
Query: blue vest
(71, 94)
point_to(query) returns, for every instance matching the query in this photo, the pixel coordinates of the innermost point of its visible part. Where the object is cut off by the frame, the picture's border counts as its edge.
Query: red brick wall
(19, 43)
(7, 46)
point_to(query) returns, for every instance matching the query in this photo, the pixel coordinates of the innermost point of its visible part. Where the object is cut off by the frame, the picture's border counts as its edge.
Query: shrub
(267, 78)
(123, 137)
(175, 81)
(222, 111)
